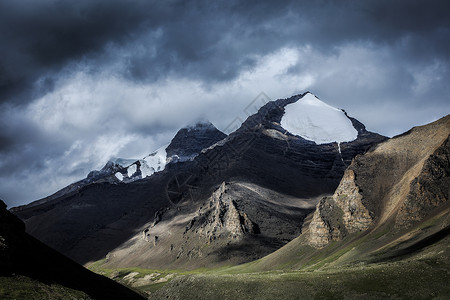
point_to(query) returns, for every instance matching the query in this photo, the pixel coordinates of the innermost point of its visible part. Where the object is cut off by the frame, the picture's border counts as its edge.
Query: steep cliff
(403, 180)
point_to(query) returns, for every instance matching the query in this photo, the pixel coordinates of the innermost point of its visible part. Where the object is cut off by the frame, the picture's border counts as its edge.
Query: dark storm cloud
(208, 40)
(216, 43)
(39, 37)
(72, 72)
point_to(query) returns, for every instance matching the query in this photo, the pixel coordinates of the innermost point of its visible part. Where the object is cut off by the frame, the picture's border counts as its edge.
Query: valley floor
(418, 277)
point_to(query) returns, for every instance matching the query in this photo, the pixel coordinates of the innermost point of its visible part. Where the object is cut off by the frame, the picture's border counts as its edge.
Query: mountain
(286, 156)
(391, 203)
(30, 269)
(382, 234)
(221, 200)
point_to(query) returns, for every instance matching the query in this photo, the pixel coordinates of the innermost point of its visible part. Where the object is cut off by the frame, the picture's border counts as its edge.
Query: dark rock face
(10, 228)
(263, 152)
(21, 254)
(87, 224)
(429, 190)
(8, 221)
(190, 141)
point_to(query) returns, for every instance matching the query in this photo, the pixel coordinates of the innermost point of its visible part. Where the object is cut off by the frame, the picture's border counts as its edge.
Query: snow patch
(340, 153)
(154, 162)
(131, 170)
(119, 176)
(317, 121)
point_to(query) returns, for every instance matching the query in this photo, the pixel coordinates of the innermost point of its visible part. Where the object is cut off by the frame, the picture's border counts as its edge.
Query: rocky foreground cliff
(31, 270)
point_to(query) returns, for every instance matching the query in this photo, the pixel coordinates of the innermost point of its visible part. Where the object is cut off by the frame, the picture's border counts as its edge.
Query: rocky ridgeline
(220, 218)
(111, 168)
(275, 179)
(404, 179)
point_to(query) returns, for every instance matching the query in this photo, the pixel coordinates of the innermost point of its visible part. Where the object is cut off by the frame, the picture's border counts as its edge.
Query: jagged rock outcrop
(146, 233)
(221, 218)
(326, 224)
(402, 180)
(236, 222)
(355, 216)
(340, 214)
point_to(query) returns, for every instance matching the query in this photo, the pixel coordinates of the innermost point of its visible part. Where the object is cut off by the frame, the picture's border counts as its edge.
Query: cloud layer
(81, 81)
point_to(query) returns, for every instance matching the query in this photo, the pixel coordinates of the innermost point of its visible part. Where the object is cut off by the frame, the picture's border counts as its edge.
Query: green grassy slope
(376, 264)
(420, 274)
(416, 279)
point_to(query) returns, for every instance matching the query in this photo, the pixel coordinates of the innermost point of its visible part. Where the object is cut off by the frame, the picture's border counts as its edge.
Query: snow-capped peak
(314, 120)
(128, 170)
(185, 146)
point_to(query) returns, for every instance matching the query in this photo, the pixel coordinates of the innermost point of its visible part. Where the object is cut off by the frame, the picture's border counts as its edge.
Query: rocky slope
(23, 259)
(237, 223)
(239, 199)
(392, 202)
(402, 180)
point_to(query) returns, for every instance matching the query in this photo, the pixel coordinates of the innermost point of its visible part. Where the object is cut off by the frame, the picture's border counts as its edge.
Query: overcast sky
(83, 81)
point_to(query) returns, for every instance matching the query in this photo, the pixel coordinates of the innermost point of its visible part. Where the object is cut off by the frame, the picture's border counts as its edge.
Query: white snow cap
(317, 121)
(154, 162)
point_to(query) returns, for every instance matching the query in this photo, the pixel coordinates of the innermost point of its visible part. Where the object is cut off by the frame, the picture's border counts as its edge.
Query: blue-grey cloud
(77, 75)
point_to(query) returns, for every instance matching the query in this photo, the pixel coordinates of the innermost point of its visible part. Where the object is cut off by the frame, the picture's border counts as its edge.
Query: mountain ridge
(260, 154)
(115, 166)
(358, 225)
